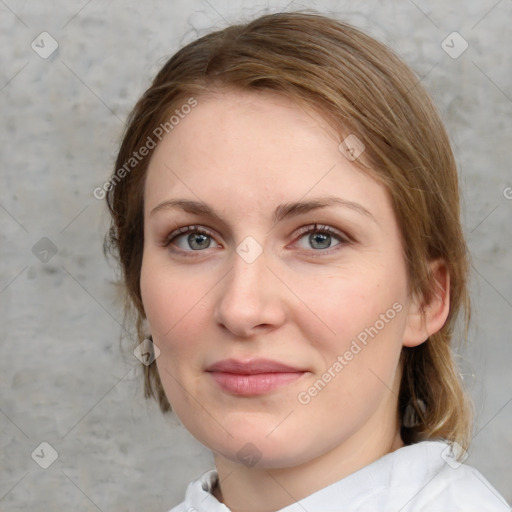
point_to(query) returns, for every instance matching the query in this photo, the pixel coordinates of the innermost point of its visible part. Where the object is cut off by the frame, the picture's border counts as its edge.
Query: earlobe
(427, 318)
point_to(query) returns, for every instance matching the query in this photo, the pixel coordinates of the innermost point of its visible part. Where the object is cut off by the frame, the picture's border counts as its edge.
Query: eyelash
(305, 230)
(342, 238)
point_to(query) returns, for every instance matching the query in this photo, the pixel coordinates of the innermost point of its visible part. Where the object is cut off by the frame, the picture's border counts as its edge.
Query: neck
(255, 489)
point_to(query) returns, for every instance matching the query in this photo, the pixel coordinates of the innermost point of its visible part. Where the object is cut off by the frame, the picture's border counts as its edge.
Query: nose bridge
(247, 300)
(245, 280)
(245, 277)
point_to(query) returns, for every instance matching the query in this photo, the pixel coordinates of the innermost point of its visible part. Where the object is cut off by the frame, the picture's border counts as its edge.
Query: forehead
(258, 144)
(232, 123)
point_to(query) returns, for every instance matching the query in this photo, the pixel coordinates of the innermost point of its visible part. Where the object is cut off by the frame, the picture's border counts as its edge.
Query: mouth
(253, 377)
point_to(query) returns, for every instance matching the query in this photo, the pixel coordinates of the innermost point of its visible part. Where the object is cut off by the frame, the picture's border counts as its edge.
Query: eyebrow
(283, 211)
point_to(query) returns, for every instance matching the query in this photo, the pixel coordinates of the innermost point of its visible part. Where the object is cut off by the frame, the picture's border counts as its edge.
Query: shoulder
(428, 478)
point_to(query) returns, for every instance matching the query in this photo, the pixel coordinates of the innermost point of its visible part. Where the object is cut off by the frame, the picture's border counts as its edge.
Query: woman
(285, 212)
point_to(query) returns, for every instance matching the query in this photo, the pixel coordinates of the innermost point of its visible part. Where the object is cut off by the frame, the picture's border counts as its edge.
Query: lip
(253, 377)
(251, 367)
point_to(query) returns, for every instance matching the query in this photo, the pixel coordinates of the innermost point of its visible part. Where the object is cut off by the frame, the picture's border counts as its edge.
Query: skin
(244, 154)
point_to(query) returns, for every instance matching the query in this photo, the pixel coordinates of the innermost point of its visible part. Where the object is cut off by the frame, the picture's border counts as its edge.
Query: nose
(249, 301)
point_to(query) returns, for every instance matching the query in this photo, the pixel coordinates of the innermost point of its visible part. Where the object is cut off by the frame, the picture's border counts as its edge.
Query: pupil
(320, 240)
(198, 241)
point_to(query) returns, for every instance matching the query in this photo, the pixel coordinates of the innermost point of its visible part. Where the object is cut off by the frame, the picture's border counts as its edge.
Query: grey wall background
(64, 378)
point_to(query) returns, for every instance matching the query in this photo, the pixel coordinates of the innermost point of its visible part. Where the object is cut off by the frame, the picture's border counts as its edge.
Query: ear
(425, 319)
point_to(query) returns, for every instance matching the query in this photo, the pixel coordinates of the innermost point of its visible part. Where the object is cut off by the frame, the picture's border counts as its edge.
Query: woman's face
(264, 241)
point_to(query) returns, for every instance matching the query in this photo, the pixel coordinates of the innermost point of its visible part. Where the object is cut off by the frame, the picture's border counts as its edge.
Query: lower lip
(256, 384)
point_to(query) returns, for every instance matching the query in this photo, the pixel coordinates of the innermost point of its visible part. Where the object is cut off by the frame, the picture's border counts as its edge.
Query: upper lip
(251, 367)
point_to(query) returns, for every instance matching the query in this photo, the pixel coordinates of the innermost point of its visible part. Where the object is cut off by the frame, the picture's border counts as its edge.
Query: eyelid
(343, 239)
(323, 228)
(184, 230)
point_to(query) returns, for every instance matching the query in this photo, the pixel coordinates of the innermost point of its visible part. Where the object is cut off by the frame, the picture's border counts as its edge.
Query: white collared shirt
(422, 477)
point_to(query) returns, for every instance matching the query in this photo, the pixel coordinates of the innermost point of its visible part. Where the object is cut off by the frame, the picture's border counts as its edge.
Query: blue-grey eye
(320, 240)
(198, 241)
(193, 240)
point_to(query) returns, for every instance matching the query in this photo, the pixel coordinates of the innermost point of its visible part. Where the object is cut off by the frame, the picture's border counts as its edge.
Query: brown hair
(362, 88)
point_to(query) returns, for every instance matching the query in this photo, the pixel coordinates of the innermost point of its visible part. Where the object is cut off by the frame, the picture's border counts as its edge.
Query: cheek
(175, 304)
(169, 295)
(344, 305)
(173, 310)
(360, 318)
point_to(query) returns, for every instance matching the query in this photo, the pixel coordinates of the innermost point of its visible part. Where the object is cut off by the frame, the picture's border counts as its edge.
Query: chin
(261, 452)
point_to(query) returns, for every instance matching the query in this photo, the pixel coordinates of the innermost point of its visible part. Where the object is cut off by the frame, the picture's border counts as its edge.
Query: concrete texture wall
(69, 74)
